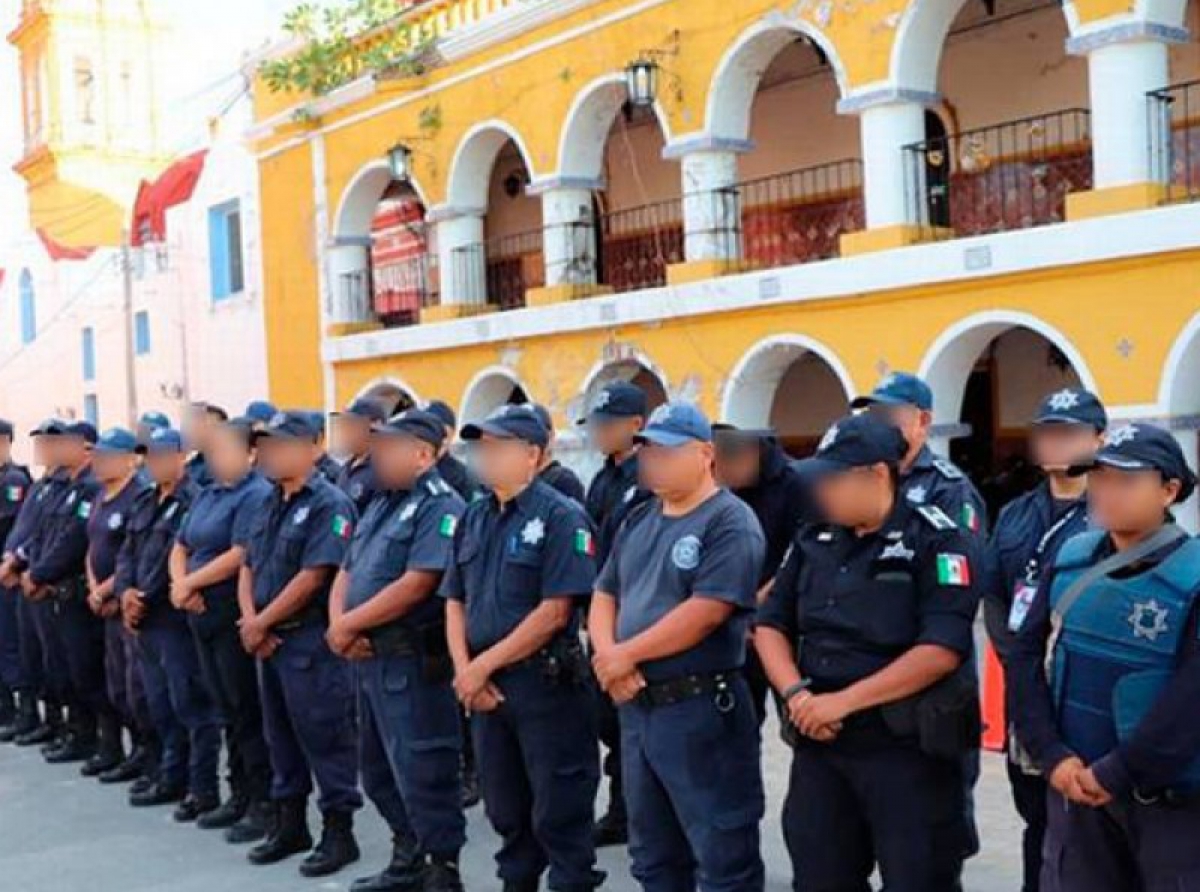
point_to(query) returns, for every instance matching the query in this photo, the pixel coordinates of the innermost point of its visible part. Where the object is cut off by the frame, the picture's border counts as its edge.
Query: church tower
(90, 113)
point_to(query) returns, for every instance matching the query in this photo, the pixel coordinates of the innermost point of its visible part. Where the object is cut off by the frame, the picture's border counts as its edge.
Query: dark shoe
(146, 782)
(255, 824)
(129, 770)
(229, 813)
(288, 837)
(157, 794)
(336, 849)
(192, 807)
(403, 873)
(43, 733)
(25, 720)
(521, 885)
(442, 876)
(75, 749)
(470, 789)
(611, 830)
(100, 763)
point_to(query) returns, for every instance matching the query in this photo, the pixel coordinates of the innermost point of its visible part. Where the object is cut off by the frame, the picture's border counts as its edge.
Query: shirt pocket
(292, 540)
(398, 540)
(890, 609)
(521, 575)
(469, 558)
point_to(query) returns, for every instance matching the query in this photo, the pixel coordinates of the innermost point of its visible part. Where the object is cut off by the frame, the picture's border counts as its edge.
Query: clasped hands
(1077, 782)
(617, 673)
(818, 716)
(474, 687)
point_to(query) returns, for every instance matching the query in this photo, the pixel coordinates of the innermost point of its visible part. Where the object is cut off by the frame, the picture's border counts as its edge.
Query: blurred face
(913, 422)
(613, 436)
(5, 448)
(113, 467)
(1129, 502)
(1055, 447)
(854, 497)
(285, 459)
(505, 463)
(44, 451)
(165, 467)
(228, 454)
(351, 434)
(399, 460)
(675, 471)
(72, 451)
(738, 463)
(198, 426)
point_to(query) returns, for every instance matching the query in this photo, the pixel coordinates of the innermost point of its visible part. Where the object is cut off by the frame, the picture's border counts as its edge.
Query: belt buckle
(723, 697)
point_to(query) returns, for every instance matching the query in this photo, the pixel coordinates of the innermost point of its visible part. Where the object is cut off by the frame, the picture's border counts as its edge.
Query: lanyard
(1033, 568)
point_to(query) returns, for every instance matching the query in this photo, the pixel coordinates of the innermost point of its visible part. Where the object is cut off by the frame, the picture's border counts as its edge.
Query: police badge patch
(685, 554)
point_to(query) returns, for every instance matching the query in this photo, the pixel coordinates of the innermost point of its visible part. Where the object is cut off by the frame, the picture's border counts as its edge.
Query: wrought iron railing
(354, 296)
(1173, 128)
(514, 265)
(1014, 175)
(638, 244)
(402, 288)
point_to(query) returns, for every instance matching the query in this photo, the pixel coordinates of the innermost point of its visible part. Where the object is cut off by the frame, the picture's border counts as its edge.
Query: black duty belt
(310, 615)
(69, 590)
(687, 687)
(395, 640)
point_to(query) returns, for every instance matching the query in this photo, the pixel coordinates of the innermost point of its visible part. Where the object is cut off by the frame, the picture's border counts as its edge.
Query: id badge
(1023, 593)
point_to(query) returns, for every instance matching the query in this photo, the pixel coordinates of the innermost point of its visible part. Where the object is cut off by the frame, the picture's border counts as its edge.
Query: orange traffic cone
(992, 702)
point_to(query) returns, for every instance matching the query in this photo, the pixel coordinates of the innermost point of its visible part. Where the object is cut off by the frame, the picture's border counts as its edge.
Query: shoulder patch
(947, 469)
(936, 517)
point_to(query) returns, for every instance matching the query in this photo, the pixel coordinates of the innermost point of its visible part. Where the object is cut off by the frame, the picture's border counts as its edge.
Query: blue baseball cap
(441, 410)
(291, 425)
(512, 422)
(543, 415)
(83, 430)
(317, 417)
(162, 440)
(1072, 406)
(260, 411)
(413, 423)
(617, 399)
(1143, 447)
(368, 410)
(154, 419)
(116, 441)
(50, 427)
(856, 441)
(898, 389)
(675, 424)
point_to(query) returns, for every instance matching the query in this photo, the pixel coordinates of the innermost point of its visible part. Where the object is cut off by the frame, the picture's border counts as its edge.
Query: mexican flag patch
(584, 544)
(953, 569)
(970, 517)
(342, 526)
(448, 525)
(14, 493)
(84, 511)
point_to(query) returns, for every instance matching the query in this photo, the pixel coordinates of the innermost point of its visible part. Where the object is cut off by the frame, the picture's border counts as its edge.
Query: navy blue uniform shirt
(507, 560)
(42, 494)
(404, 530)
(563, 479)
(780, 500)
(460, 478)
(309, 530)
(150, 533)
(356, 478)
(197, 469)
(328, 466)
(612, 494)
(658, 562)
(107, 526)
(14, 486)
(857, 603)
(59, 547)
(933, 480)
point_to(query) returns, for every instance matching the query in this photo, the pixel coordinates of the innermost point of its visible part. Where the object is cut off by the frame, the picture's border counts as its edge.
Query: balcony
(638, 244)
(1014, 175)
(1174, 128)
(514, 265)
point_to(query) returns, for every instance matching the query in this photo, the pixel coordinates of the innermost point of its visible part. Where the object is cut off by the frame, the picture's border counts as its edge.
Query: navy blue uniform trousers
(80, 635)
(12, 668)
(123, 676)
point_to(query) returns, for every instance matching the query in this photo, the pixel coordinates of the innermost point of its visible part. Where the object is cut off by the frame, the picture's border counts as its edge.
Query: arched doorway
(392, 395)
(634, 371)
(489, 390)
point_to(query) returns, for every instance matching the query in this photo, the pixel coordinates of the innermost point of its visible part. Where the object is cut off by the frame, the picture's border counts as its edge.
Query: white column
(893, 190)
(568, 235)
(711, 205)
(1120, 75)
(349, 283)
(461, 262)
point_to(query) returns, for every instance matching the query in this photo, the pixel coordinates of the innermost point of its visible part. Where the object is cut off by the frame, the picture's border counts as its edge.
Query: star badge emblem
(917, 495)
(1122, 435)
(897, 551)
(533, 532)
(1148, 620)
(1063, 400)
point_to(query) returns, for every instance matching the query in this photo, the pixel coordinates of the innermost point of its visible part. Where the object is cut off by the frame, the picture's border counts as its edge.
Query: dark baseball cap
(898, 389)
(1143, 447)
(413, 423)
(154, 419)
(83, 430)
(260, 411)
(317, 417)
(856, 441)
(512, 422)
(675, 424)
(442, 411)
(1072, 406)
(294, 424)
(116, 441)
(6, 428)
(368, 410)
(543, 415)
(50, 427)
(617, 399)
(162, 440)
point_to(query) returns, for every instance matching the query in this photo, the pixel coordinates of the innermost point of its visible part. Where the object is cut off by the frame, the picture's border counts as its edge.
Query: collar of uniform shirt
(520, 502)
(306, 485)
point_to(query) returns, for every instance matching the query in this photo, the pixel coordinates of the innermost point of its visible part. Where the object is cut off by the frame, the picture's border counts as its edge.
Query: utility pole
(127, 322)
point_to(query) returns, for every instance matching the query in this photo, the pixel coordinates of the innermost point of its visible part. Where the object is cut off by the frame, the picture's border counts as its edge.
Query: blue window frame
(89, 354)
(225, 250)
(28, 307)
(91, 409)
(141, 333)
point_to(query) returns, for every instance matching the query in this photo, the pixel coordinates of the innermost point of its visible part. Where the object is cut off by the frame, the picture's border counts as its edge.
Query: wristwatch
(792, 690)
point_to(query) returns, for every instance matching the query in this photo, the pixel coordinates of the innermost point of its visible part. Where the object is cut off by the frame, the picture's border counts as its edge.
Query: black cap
(84, 430)
(543, 415)
(1143, 447)
(442, 411)
(413, 423)
(368, 410)
(1072, 406)
(897, 389)
(617, 399)
(51, 427)
(856, 441)
(290, 425)
(513, 422)
(6, 428)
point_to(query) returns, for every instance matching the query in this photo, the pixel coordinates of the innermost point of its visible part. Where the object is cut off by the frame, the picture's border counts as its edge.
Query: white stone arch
(474, 159)
(588, 122)
(750, 389)
(736, 79)
(623, 368)
(360, 199)
(949, 360)
(388, 391)
(489, 389)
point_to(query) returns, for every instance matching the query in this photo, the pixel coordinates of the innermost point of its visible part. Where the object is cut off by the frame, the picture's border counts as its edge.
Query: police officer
(15, 683)
(204, 567)
(56, 575)
(863, 636)
(523, 560)
(201, 421)
(668, 624)
(925, 478)
(387, 619)
(115, 466)
(1114, 727)
(182, 710)
(326, 463)
(258, 413)
(352, 439)
(613, 422)
(453, 471)
(149, 422)
(552, 470)
(306, 689)
(1030, 530)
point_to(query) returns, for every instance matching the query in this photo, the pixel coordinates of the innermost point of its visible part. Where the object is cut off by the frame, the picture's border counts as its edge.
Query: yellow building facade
(795, 198)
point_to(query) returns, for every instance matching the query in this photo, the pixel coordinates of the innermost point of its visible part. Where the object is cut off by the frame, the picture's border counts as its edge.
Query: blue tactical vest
(1119, 645)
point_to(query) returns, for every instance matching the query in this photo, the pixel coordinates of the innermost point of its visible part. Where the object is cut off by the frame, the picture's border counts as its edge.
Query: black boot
(336, 849)
(49, 729)
(109, 751)
(25, 720)
(521, 885)
(76, 748)
(8, 705)
(288, 837)
(158, 793)
(194, 806)
(231, 811)
(441, 875)
(129, 770)
(613, 828)
(257, 823)
(403, 873)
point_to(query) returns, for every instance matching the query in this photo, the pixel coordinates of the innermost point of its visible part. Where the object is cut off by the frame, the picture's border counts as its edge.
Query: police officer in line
(306, 690)
(668, 625)
(613, 422)
(386, 618)
(863, 636)
(115, 466)
(925, 477)
(1116, 625)
(552, 470)
(523, 561)
(753, 465)
(16, 685)
(1030, 530)
(326, 463)
(31, 727)
(199, 424)
(352, 439)
(258, 414)
(204, 566)
(149, 422)
(453, 471)
(183, 713)
(56, 576)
